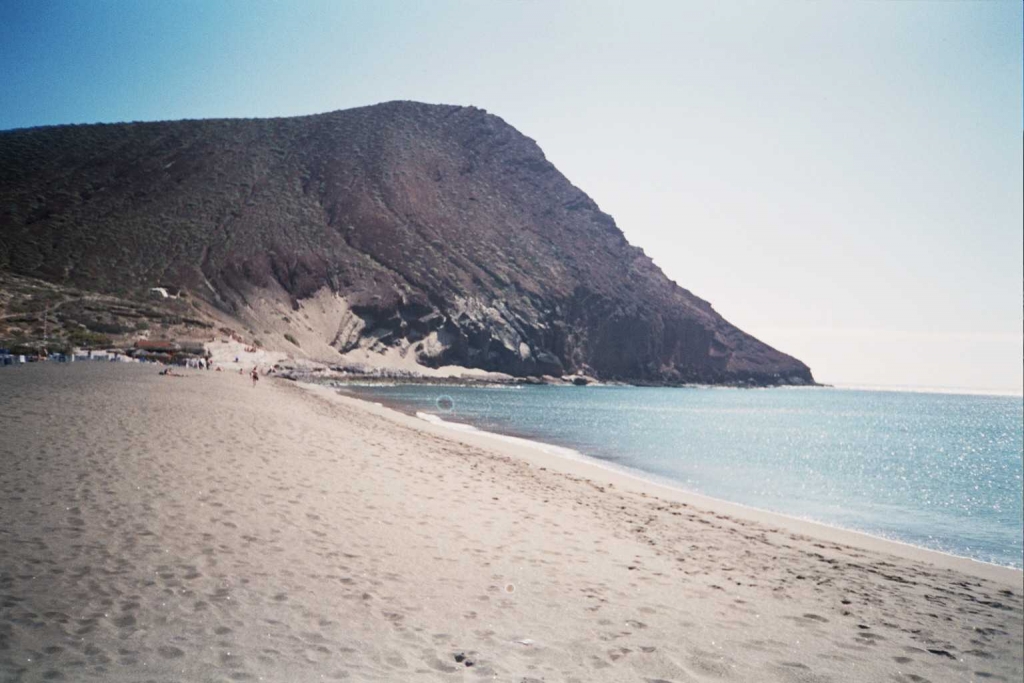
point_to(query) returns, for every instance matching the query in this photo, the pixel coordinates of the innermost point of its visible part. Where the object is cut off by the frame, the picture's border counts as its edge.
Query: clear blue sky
(840, 179)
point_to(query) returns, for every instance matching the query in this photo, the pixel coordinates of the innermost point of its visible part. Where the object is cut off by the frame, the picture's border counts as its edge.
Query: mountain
(429, 232)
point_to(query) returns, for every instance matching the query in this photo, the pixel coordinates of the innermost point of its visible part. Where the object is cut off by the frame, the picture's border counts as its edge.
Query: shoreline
(754, 513)
(532, 451)
(566, 381)
(199, 527)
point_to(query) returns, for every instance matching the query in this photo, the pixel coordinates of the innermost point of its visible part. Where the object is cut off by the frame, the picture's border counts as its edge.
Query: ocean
(940, 471)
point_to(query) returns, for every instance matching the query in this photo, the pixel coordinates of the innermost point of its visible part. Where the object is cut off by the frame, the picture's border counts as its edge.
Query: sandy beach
(200, 529)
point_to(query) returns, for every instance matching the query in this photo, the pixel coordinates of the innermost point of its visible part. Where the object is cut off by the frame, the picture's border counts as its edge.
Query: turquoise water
(940, 471)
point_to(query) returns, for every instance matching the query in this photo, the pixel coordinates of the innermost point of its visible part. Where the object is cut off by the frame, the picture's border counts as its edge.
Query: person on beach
(255, 375)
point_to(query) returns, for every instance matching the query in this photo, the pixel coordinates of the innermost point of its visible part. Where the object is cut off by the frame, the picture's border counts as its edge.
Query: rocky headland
(401, 235)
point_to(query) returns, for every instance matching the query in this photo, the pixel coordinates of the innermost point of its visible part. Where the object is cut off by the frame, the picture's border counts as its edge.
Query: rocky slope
(437, 233)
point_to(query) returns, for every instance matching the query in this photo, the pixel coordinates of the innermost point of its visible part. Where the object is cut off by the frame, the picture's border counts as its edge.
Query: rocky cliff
(434, 233)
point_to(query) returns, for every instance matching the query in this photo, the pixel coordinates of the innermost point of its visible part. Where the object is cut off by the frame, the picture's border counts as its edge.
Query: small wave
(517, 440)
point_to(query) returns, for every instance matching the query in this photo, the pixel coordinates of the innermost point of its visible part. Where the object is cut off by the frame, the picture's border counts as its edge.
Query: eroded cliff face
(438, 230)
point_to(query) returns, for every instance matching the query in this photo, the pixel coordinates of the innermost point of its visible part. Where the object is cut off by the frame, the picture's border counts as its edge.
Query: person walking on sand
(255, 375)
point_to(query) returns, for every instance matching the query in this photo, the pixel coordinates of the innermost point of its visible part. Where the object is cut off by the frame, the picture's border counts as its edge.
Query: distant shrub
(88, 339)
(292, 339)
(106, 328)
(22, 350)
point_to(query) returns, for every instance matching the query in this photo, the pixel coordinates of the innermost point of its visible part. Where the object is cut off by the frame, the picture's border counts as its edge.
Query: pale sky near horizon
(843, 180)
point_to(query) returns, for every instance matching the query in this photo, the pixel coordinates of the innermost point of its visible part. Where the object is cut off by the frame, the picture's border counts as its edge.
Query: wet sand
(198, 529)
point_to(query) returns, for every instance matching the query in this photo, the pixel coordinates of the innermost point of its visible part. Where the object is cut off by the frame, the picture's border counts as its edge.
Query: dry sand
(199, 529)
